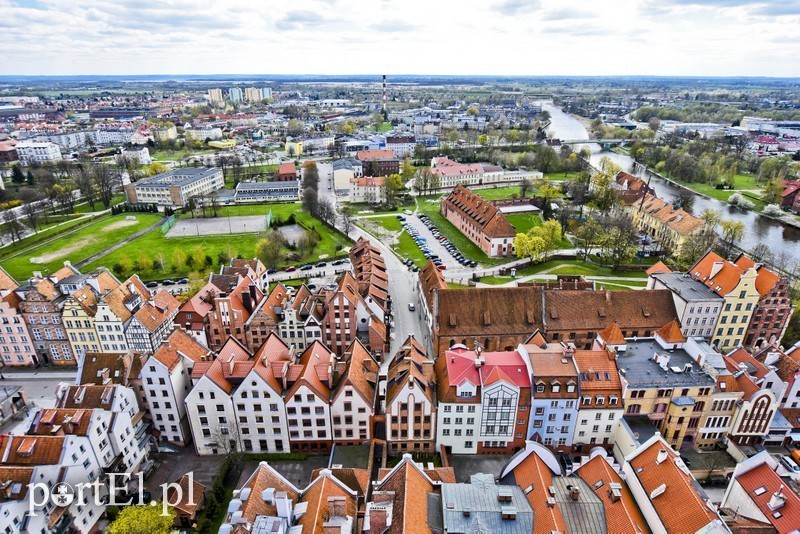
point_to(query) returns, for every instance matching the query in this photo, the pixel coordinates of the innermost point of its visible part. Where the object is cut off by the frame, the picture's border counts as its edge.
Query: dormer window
(556, 387)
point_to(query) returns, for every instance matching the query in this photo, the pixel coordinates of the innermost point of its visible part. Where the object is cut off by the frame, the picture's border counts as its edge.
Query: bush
(773, 210)
(738, 200)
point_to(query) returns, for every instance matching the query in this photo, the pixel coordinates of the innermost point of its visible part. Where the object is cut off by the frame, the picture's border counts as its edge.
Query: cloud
(515, 7)
(394, 26)
(566, 14)
(758, 7)
(298, 20)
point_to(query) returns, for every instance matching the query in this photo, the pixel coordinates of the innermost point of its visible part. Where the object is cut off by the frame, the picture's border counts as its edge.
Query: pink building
(16, 349)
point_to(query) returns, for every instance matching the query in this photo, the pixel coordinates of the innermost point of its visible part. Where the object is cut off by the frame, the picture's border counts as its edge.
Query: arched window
(486, 344)
(452, 342)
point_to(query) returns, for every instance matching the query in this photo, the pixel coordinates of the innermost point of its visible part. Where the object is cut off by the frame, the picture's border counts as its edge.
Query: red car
(441, 267)
(291, 269)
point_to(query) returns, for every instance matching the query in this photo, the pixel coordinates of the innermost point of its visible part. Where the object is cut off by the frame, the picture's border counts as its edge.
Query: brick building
(480, 220)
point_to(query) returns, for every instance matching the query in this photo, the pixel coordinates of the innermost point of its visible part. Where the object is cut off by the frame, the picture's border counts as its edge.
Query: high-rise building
(215, 95)
(235, 94)
(257, 94)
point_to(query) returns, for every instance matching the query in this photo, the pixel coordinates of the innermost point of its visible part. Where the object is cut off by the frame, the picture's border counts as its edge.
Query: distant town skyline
(506, 37)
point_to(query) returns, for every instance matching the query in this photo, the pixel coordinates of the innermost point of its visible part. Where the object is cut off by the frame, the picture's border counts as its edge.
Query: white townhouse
(128, 431)
(301, 322)
(353, 400)
(258, 402)
(308, 410)
(33, 152)
(114, 313)
(166, 379)
(152, 322)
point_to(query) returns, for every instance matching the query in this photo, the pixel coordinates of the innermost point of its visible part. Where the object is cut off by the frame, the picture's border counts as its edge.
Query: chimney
(283, 505)
(574, 493)
(247, 301)
(662, 455)
(337, 507)
(777, 500)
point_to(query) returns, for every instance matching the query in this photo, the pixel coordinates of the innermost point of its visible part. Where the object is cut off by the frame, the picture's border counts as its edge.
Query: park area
(49, 255)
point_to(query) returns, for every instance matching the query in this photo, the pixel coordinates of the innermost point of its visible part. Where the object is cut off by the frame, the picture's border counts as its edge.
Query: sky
(444, 37)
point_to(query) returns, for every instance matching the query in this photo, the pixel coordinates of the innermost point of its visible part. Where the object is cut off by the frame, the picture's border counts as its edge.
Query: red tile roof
(480, 211)
(367, 155)
(787, 517)
(458, 365)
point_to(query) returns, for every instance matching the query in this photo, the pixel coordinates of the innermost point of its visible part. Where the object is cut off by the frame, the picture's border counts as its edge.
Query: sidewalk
(29, 374)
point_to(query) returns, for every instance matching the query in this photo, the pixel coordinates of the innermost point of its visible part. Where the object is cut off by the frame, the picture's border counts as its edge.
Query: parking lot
(419, 228)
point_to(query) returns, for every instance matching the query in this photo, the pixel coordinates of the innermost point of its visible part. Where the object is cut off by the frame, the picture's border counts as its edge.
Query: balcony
(114, 466)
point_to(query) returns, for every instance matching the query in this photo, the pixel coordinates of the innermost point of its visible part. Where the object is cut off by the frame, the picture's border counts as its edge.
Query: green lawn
(390, 222)
(160, 248)
(524, 221)
(177, 155)
(743, 183)
(407, 248)
(460, 241)
(119, 198)
(561, 176)
(368, 209)
(85, 242)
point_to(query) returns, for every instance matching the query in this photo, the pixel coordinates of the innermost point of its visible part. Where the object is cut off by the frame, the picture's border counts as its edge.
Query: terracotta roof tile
(612, 335)
(16, 481)
(34, 450)
(317, 495)
(158, 310)
(361, 371)
(61, 421)
(671, 332)
(678, 220)
(410, 363)
(533, 472)
(411, 487)
(105, 368)
(480, 211)
(265, 477)
(762, 476)
(190, 487)
(658, 267)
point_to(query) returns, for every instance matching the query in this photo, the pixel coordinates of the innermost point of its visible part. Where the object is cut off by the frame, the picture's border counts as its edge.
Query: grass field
(162, 249)
(743, 183)
(119, 198)
(367, 209)
(407, 248)
(85, 242)
(177, 155)
(390, 222)
(524, 221)
(561, 176)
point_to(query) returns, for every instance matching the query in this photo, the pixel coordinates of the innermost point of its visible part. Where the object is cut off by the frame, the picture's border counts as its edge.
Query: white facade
(114, 137)
(139, 155)
(201, 134)
(299, 333)
(211, 418)
(596, 425)
(308, 416)
(260, 416)
(351, 414)
(166, 393)
(110, 330)
(367, 190)
(32, 152)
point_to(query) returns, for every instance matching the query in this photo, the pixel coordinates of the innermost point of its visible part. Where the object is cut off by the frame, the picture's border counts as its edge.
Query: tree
(17, 176)
(347, 219)
(198, 257)
(294, 127)
(546, 158)
(732, 232)
(125, 264)
(529, 246)
(12, 224)
(64, 196)
(696, 245)
(618, 246)
(310, 200)
(178, 260)
(654, 123)
(29, 178)
(392, 184)
(407, 171)
(685, 200)
(773, 190)
(143, 520)
(106, 182)
(524, 186)
(270, 249)
(419, 152)
(86, 186)
(144, 262)
(548, 192)
(311, 176)
(326, 211)
(590, 232)
(306, 244)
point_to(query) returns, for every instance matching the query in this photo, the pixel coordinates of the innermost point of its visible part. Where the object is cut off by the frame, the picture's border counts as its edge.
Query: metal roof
(637, 365)
(475, 507)
(584, 515)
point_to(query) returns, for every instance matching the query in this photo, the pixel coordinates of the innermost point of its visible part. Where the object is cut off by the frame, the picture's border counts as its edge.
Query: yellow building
(664, 223)
(294, 148)
(79, 312)
(738, 287)
(222, 144)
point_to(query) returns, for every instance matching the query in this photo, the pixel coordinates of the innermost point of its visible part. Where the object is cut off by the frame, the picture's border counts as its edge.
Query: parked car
(411, 306)
(441, 267)
(167, 282)
(320, 264)
(790, 464)
(151, 284)
(408, 212)
(306, 267)
(183, 281)
(291, 269)
(272, 271)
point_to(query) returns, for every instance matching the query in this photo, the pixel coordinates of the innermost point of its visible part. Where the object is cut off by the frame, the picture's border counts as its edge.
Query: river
(757, 229)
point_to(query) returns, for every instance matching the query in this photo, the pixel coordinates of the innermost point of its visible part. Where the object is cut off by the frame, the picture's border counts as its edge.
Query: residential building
(192, 314)
(410, 402)
(166, 382)
(368, 190)
(80, 309)
(407, 498)
(175, 187)
(257, 94)
(164, 133)
(235, 94)
(209, 404)
(253, 269)
(287, 172)
(215, 96)
(757, 497)
(308, 401)
(139, 155)
(757, 408)
(696, 305)
(378, 162)
(666, 492)
(554, 383)
(600, 409)
(480, 220)
(202, 134)
(188, 498)
(774, 309)
(8, 151)
(451, 173)
(301, 321)
(41, 304)
(349, 316)
(16, 343)
(665, 223)
(263, 321)
(231, 310)
(429, 283)
(152, 322)
(559, 503)
(115, 311)
(483, 401)
(369, 270)
(267, 502)
(50, 460)
(402, 145)
(128, 431)
(496, 507)
(258, 402)
(37, 153)
(787, 371)
(742, 285)
(344, 171)
(354, 396)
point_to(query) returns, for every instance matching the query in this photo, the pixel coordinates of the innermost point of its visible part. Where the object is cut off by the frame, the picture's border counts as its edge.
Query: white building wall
(211, 417)
(316, 409)
(260, 416)
(360, 412)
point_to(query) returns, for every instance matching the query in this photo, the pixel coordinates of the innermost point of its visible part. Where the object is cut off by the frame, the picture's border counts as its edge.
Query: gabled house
(192, 314)
(152, 322)
(348, 316)
(301, 322)
(354, 396)
(115, 311)
(308, 399)
(16, 344)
